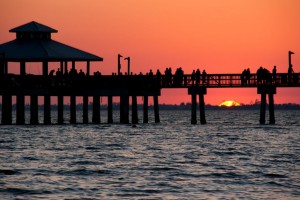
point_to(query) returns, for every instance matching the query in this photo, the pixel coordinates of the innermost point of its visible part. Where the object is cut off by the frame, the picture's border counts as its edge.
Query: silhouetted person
(58, 75)
(290, 73)
(243, 77)
(204, 74)
(81, 74)
(168, 76)
(150, 72)
(259, 74)
(193, 77)
(248, 76)
(267, 76)
(158, 75)
(178, 77)
(274, 72)
(198, 75)
(52, 72)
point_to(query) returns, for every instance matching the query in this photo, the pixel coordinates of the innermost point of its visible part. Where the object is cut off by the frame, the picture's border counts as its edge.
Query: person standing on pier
(248, 76)
(193, 77)
(290, 73)
(198, 75)
(204, 74)
(158, 76)
(274, 72)
(243, 77)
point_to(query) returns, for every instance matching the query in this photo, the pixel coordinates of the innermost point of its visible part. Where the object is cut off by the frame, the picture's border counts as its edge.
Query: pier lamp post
(119, 63)
(128, 69)
(290, 58)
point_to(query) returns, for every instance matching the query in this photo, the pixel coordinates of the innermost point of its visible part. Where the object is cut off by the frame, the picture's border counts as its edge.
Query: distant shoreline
(182, 106)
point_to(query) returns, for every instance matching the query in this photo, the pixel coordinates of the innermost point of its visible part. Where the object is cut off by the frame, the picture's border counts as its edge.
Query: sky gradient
(220, 36)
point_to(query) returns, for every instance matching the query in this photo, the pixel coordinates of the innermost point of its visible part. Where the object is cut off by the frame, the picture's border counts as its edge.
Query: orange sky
(221, 36)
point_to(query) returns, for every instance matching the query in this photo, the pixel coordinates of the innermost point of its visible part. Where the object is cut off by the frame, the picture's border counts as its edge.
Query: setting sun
(229, 103)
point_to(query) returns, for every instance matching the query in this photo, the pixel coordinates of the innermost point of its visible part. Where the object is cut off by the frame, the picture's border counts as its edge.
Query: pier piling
(202, 108)
(20, 109)
(156, 108)
(194, 108)
(201, 91)
(34, 118)
(60, 109)
(109, 109)
(73, 109)
(47, 109)
(145, 109)
(263, 90)
(135, 119)
(271, 108)
(6, 109)
(124, 109)
(85, 109)
(262, 119)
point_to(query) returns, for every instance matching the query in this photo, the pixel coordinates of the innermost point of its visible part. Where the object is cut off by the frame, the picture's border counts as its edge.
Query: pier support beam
(73, 109)
(6, 109)
(34, 118)
(194, 109)
(263, 90)
(262, 118)
(60, 109)
(134, 119)
(124, 109)
(201, 91)
(47, 109)
(271, 109)
(20, 109)
(202, 108)
(85, 109)
(145, 110)
(156, 109)
(96, 110)
(109, 109)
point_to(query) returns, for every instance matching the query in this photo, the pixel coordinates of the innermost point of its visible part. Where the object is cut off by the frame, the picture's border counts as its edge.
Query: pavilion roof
(33, 27)
(41, 49)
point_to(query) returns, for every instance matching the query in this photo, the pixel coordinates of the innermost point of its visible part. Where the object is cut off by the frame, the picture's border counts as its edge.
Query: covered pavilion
(33, 43)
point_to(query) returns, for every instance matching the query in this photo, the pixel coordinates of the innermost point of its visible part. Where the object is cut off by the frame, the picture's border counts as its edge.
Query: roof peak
(33, 27)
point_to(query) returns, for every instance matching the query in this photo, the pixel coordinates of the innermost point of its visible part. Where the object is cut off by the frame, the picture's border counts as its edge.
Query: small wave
(92, 148)
(20, 191)
(83, 172)
(226, 175)
(8, 172)
(271, 175)
(30, 158)
(6, 141)
(84, 162)
(163, 169)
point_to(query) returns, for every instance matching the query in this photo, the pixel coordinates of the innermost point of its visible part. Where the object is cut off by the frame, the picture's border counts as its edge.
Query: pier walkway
(125, 86)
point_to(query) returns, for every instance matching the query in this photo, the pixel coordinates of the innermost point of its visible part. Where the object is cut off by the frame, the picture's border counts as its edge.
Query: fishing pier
(33, 43)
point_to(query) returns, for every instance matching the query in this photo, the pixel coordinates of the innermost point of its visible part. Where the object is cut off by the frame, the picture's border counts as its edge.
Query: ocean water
(231, 157)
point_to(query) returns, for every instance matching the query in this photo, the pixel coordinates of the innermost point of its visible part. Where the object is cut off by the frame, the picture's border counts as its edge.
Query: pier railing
(231, 81)
(137, 83)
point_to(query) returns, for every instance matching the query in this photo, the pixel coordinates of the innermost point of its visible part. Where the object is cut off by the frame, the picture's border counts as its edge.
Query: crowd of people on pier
(196, 78)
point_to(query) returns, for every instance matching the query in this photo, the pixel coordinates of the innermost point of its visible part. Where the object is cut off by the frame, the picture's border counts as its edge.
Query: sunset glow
(229, 103)
(218, 36)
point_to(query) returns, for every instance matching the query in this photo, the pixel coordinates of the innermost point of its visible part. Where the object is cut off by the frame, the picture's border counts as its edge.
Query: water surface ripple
(231, 157)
